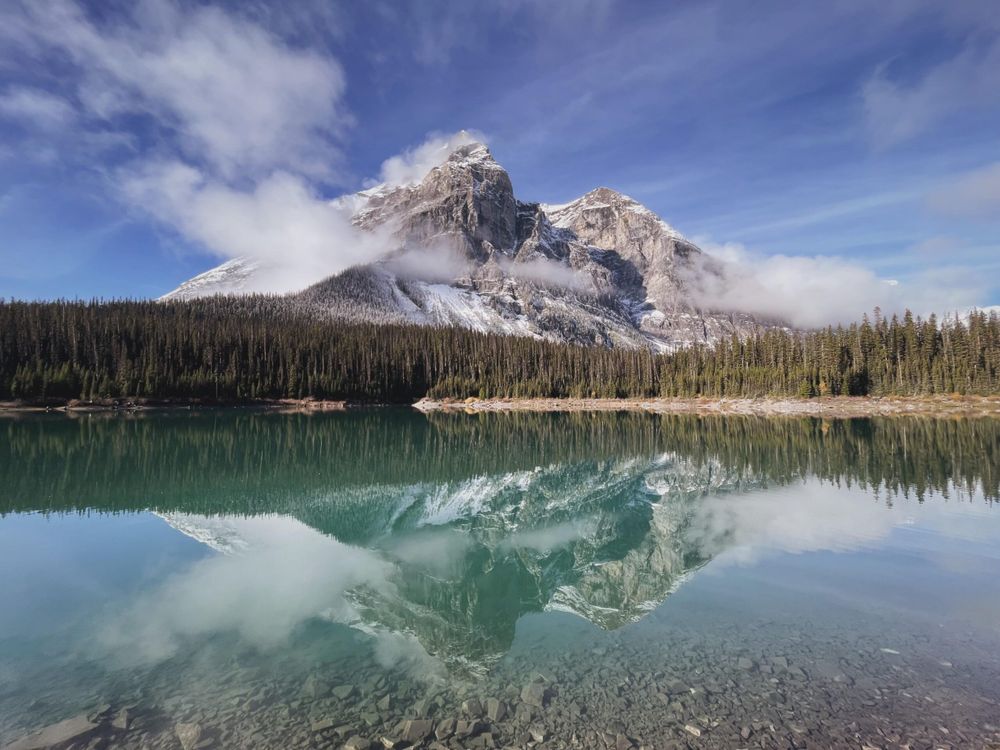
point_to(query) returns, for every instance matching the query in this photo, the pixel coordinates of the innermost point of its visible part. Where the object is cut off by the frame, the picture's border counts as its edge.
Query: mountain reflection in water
(438, 533)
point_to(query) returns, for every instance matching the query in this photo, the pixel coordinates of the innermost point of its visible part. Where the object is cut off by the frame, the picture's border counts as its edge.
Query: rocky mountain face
(462, 250)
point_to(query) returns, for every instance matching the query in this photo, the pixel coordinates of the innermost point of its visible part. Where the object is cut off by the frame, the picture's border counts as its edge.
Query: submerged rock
(445, 729)
(122, 720)
(314, 687)
(465, 729)
(417, 730)
(188, 734)
(496, 709)
(61, 733)
(343, 692)
(534, 694)
(100, 713)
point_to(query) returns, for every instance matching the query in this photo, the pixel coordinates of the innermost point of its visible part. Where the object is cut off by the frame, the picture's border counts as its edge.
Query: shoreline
(137, 405)
(833, 407)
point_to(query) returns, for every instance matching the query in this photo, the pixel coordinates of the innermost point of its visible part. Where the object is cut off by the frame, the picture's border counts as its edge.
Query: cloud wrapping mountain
(457, 247)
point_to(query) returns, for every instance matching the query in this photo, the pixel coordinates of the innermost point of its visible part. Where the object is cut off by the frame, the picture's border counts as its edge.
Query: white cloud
(549, 538)
(896, 112)
(548, 273)
(238, 99)
(284, 574)
(280, 221)
(36, 108)
(975, 195)
(433, 263)
(813, 516)
(413, 164)
(244, 125)
(813, 291)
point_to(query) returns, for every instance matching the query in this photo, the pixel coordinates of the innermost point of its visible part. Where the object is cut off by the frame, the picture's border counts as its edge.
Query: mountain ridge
(461, 249)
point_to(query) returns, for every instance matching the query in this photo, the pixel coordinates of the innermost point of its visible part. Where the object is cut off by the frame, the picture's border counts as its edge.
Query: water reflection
(425, 546)
(452, 566)
(275, 574)
(246, 464)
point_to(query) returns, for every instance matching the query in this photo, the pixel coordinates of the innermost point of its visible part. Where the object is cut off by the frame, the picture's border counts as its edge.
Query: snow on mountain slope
(602, 269)
(235, 276)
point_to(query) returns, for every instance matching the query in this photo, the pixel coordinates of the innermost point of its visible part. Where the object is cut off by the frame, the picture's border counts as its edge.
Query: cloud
(437, 29)
(413, 164)
(36, 108)
(235, 97)
(975, 195)
(814, 516)
(896, 112)
(283, 575)
(934, 248)
(813, 291)
(547, 272)
(394, 651)
(433, 263)
(229, 127)
(549, 538)
(239, 128)
(280, 222)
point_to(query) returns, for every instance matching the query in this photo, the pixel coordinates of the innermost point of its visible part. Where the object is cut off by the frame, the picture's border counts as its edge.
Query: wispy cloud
(438, 29)
(228, 93)
(242, 129)
(897, 111)
(833, 210)
(974, 195)
(36, 108)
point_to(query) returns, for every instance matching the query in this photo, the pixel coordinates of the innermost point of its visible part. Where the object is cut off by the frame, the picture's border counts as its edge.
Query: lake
(386, 578)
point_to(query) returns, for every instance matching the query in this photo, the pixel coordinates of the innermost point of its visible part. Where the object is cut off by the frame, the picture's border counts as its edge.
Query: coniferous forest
(256, 348)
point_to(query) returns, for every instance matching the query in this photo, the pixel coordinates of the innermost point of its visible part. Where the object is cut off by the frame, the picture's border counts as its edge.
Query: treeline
(256, 348)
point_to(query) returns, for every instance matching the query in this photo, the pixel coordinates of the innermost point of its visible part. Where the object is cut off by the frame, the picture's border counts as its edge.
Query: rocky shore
(834, 407)
(719, 686)
(130, 405)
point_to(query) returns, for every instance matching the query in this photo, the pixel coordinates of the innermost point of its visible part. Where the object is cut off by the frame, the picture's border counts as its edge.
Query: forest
(254, 348)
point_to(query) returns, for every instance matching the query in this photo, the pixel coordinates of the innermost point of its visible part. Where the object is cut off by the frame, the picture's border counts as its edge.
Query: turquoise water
(606, 579)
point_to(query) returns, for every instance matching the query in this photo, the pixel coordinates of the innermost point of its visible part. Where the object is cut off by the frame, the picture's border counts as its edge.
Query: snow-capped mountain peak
(604, 199)
(461, 249)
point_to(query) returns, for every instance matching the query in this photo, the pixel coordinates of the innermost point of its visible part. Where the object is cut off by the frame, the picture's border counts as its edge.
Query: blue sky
(866, 133)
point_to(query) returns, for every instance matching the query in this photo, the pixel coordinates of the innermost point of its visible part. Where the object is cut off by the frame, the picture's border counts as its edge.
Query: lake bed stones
(188, 734)
(343, 692)
(496, 709)
(416, 730)
(535, 694)
(75, 729)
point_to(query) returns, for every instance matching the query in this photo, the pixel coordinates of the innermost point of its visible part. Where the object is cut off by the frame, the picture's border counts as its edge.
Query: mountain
(464, 560)
(461, 249)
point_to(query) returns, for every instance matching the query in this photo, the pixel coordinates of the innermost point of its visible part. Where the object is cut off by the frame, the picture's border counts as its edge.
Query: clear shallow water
(607, 580)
